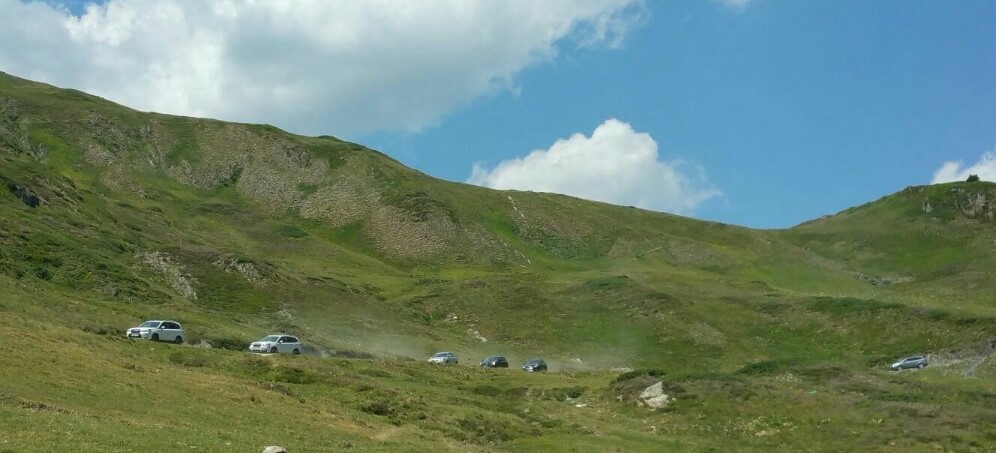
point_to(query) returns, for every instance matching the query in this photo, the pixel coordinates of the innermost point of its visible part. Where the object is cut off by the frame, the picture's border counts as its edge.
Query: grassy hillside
(111, 216)
(936, 245)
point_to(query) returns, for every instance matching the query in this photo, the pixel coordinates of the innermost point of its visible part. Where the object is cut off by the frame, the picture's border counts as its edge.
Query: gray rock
(24, 194)
(658, 402)
(274, 449)
(653, 391)
(654, 396)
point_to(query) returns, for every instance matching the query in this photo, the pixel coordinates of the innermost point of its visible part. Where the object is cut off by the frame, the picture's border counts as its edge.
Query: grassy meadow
(766, 339)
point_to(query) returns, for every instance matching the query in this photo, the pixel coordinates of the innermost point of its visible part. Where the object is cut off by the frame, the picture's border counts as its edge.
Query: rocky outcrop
(246, 269)
(24, 194)
(174, 273)
(654, 397)
(978, 205)
(975, 204)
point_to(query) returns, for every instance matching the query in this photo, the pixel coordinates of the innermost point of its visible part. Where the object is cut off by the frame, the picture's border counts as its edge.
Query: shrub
(293, 375)
(379, 408)
(766, 366)
(486, 430)
(562, 393)
(100, 330)
(972, 178)
(637, 373)
(188, 359)
(252, 365)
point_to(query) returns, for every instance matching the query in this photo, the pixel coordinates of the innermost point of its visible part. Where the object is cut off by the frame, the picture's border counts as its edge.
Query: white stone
(653, 391)
(654, 396)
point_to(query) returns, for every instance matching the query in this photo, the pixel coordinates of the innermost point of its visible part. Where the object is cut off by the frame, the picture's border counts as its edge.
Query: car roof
(535, 360)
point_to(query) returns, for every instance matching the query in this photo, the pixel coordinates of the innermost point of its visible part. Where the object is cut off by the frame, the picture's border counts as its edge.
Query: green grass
(775, 340)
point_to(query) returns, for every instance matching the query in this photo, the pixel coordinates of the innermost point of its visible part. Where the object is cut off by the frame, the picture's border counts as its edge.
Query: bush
(562, 393)
(972, 178)
(766, 366)
(293, 375)
(654, 373)
(252, 366)
(188, 359)
(379, 408)
(101, 330)
(348, 354)
(848, 305)
(486, 430)
(230, 343)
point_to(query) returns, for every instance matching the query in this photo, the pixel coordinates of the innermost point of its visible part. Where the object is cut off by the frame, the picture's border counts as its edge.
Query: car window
(269, 338)
(292, 340)
(149, 324)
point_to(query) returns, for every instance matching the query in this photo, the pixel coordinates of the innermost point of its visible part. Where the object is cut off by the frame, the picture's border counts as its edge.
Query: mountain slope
(936, 243)
(111, 216)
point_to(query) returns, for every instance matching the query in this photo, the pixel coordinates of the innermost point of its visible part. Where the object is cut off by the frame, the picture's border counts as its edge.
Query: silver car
(279, 343)
(157, 330)
(444, 358)
(910, 362)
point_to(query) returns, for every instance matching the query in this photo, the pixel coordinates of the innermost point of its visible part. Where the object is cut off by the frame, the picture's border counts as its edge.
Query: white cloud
(312, 66)
(615, 165)
(739, 4)
(951, 171)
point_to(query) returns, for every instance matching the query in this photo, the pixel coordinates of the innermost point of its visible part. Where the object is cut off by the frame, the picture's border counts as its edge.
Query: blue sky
(763, 113)
(794, 109)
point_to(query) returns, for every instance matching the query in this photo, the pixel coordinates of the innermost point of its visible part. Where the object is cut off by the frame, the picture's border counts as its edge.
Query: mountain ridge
(112, 216)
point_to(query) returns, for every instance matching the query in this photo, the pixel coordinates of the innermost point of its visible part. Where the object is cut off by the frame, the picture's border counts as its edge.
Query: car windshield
(149, 324)
(534, 362)
(441, 354)
(270, 338)
(492, 358)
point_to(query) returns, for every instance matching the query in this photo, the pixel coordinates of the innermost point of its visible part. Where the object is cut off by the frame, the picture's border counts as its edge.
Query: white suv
(444, 357)
(276, 344)
(158, 331)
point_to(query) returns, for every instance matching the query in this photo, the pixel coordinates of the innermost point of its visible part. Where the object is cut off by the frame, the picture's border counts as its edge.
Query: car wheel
(178, 340)
(155, 337)
(921, 366)
(297, 351)
(273, 350)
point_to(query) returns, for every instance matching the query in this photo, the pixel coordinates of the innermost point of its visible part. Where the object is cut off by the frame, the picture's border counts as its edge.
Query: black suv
(495, 361)
(534, 365)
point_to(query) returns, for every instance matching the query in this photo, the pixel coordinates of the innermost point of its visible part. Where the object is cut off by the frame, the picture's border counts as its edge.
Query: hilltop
(112, 216)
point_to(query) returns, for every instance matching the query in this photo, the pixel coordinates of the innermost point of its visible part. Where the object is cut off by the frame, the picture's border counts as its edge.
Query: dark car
(495, 361)
(910, 362)
(534, 365)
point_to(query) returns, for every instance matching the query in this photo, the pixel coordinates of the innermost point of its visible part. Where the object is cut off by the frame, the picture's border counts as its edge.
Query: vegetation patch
(850, 305)
(767, 366)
